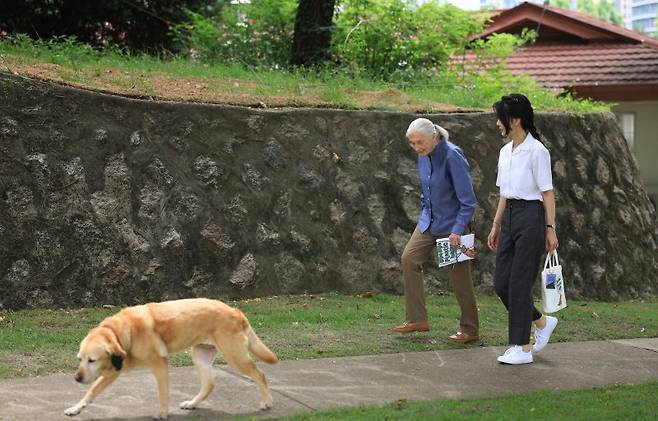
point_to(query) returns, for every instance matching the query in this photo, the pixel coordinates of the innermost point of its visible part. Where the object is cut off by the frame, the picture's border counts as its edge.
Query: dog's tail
(256, 346)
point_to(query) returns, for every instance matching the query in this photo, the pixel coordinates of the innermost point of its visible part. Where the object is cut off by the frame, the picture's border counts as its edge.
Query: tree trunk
(311, 42)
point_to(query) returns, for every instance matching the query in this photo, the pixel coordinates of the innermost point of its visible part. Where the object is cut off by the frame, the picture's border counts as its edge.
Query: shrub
(257, 33)
(392, 40)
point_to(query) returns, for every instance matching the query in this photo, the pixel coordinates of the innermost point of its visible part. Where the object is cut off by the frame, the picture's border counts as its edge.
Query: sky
(466, 4)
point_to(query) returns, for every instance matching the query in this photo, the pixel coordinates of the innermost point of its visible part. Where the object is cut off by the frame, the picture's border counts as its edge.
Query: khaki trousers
(417, 251)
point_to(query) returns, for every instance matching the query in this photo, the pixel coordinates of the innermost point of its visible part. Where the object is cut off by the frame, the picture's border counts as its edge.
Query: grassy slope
(187, 80)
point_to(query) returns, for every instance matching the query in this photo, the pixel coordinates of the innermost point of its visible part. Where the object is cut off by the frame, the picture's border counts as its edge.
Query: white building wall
(644, 141)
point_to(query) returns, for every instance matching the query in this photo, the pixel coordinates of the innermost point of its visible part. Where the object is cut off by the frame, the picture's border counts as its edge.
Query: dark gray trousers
(518, 256)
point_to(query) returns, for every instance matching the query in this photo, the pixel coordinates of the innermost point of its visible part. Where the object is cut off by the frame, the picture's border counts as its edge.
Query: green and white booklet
(448, 255)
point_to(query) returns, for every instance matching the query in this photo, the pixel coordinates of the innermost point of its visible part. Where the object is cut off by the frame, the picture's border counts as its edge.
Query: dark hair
(516, 106)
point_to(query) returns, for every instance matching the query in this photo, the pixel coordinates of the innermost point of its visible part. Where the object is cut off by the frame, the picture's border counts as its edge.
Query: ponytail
(442, 132)
(534, 133)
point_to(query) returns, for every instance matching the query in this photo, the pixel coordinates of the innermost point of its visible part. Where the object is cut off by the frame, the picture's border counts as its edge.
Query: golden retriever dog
(143, 336)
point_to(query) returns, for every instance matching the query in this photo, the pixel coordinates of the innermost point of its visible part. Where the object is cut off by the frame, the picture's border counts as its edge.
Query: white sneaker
(515, 355)
(543, 335)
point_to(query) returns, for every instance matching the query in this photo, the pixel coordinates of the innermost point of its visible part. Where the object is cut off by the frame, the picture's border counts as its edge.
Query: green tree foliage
(135, 24)
(388, 40)
(392, 39)
(494, 50)
(255, 33)
(602, 9)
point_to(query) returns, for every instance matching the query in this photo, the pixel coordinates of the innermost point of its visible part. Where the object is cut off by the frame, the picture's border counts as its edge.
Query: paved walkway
(332, 382)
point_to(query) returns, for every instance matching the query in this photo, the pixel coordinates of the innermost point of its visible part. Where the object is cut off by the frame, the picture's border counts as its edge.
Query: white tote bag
(552, 285)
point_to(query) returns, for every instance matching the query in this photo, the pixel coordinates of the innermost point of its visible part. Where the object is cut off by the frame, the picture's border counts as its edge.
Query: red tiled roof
(567, 65)
(591, 64)
(581, 50)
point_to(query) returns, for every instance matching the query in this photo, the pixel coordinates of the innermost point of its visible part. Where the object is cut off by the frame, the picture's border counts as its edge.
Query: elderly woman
(447, 207)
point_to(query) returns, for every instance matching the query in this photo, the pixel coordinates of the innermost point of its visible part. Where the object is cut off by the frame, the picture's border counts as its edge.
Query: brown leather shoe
(407, 327)
(463, 338)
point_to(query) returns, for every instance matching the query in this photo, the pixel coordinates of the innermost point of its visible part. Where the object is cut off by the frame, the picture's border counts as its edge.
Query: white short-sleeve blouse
(525, 172)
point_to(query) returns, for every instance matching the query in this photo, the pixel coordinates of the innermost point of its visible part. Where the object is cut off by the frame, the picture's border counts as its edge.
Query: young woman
(524, 225)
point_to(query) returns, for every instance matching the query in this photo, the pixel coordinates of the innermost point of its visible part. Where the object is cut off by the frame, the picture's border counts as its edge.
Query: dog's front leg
(99, 385)
(161, 373)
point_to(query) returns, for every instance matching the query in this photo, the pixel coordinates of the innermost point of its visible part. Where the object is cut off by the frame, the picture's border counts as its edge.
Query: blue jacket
(447, 197)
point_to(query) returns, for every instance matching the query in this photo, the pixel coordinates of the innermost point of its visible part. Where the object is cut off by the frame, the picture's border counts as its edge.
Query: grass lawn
(35, 342)
(636, 402)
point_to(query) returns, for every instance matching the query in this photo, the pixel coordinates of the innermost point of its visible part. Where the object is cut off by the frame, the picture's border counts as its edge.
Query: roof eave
(551, 17)
(617, 92)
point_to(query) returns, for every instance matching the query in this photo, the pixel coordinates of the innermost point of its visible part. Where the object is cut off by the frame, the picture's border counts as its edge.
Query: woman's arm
(549, 207)
(460, 174)
(463, 186)
(494, 235)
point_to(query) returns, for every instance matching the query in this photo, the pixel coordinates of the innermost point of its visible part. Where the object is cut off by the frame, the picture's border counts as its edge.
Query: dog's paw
(74, 410)
(187, 405)
(160, 416)
(265, 405)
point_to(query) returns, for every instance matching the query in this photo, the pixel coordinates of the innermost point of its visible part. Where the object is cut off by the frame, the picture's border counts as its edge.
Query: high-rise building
(643, 16)
(625, 9)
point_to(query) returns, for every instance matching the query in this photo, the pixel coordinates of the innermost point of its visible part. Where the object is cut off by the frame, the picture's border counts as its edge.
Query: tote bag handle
(551, 260)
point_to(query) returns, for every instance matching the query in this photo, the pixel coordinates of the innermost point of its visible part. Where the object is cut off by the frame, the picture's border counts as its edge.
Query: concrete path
(334, 382)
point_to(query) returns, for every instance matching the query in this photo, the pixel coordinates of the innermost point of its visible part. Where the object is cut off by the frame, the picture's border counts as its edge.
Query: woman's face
(422, 144)
(501, 127)
(513, 124)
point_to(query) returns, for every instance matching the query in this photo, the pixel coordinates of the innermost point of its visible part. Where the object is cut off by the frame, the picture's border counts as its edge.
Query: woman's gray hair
(426, 128)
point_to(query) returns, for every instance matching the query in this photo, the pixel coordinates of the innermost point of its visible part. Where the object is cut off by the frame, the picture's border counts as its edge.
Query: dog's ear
(117, 361)
(117, 353)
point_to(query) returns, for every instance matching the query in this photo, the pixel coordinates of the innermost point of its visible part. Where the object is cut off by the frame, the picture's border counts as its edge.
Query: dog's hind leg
(236, 354)
(203, 356)
(160, 370)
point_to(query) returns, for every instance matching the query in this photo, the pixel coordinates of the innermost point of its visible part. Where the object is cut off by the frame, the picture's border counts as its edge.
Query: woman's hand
(494, 235)
(455, 240)
(551, 240)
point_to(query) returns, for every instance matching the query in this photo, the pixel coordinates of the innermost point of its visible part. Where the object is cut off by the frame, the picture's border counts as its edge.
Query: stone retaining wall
(105, 199)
